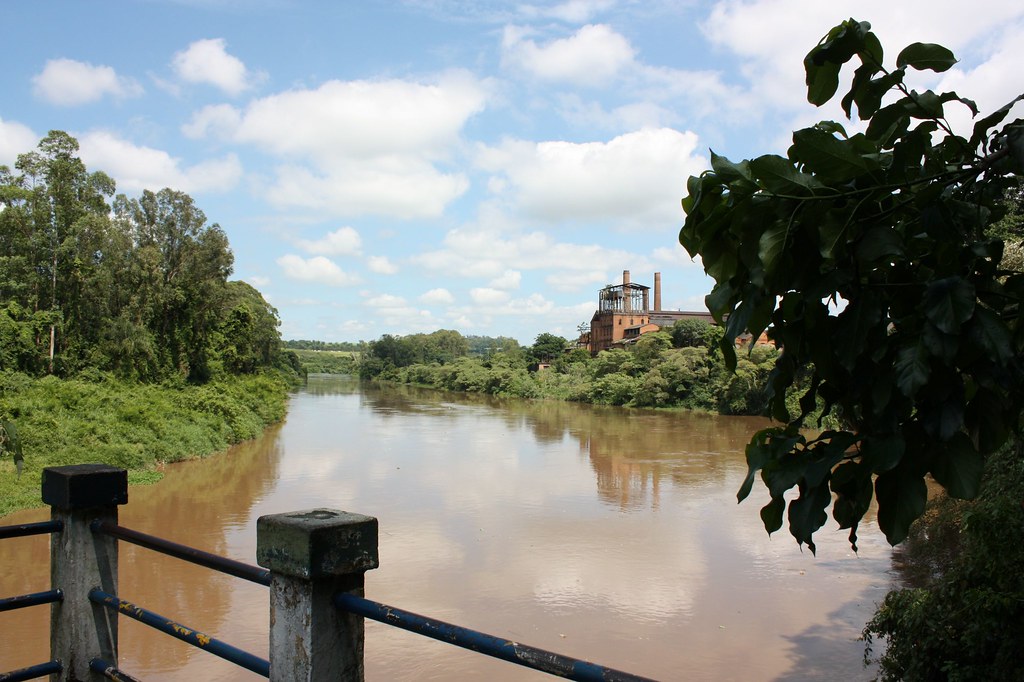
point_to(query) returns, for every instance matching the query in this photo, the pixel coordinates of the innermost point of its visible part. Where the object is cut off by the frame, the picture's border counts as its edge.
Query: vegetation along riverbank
(678, 367)
(121, 338)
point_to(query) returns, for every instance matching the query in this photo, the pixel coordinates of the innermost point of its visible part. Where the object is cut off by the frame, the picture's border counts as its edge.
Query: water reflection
(605, 534)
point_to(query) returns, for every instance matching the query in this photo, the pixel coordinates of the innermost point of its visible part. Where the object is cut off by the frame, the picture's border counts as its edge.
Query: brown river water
(604, 534)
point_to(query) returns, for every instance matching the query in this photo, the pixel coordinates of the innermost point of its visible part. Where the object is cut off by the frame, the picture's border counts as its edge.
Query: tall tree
(872, 258)
(54, 206)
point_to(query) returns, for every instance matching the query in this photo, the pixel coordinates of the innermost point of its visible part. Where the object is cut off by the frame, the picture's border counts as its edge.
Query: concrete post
(312, 555)
(80, 561)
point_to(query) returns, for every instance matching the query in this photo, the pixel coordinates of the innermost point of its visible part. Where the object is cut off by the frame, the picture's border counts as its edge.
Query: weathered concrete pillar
(312, 555)
(80, 561)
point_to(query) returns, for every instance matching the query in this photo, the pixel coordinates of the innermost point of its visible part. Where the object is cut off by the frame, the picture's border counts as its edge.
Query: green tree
(546, 347)
(872, 258)
(688, 333)
(53, 225)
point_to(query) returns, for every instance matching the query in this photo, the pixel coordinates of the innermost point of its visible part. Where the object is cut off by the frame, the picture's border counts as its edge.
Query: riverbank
(137, 426)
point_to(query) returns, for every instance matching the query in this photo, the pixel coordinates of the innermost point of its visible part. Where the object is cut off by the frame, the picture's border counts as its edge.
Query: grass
(135, 426)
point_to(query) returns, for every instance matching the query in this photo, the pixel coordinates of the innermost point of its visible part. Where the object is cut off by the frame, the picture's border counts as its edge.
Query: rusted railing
(313, 561)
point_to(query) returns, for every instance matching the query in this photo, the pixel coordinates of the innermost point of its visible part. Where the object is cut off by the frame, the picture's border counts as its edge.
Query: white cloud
(386, 301)
(382, 265)
(217, 120)
(66, 82)
(485, 253)
(574, 11)
(577, 281)
(344, 241)
(403, 189)
(636, 177)
(136, 168)
(207, 61)
(510, 279)
(258, 280)
(488, 296)
(318, 269)
(15, 139)
(365, 119)
(592, 56)
(437, 297)
(363, 147)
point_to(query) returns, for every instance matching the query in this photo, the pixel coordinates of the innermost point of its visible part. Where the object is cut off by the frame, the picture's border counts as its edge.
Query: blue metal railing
(40, 528)
(496, 647)
(182, 632)
(32, 672)
(185, 553)
(489, 645)
(26, 600)
(109, 671)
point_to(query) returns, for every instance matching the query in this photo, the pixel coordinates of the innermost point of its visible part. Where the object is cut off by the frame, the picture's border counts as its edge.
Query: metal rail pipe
(496, 647)
(25, 600)
(110, 671)
(186, 634)
(32, 672)
(191, 554)
(23, 529)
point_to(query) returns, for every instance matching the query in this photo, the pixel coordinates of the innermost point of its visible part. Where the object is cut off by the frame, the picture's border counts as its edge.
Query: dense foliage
(121, 338)
(872, 258)
(963, 618)
(306, 344)
(326, 361)
(654, 372)
(99, 418)
(134, 286)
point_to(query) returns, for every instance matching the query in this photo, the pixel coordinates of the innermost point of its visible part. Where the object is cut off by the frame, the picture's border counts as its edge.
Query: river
(605, 534)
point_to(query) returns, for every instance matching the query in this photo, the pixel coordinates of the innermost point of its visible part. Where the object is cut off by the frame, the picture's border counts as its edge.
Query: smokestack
(657, 291)
(627, 299)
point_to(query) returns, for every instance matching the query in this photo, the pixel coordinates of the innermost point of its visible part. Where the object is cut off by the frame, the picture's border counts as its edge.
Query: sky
(401, 167)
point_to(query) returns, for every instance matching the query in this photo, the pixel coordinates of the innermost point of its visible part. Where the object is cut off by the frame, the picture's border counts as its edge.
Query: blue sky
(402, 167)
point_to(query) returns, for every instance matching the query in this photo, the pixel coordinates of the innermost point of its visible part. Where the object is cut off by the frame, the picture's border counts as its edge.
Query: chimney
(657, 291)
(627, 299)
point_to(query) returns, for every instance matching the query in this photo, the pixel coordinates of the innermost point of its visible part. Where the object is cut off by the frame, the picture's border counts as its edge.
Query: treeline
(137, 287)
(670, 368)
(305, 344)
(121, 338)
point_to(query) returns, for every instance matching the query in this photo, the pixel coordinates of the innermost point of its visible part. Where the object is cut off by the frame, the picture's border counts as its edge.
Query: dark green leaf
(771, 514)
(901, 499)
(883, 453)
(912, 369)
(778, 175)
(949, 302)
(851, 482)
(926, 56)
(879, 245)
(982, 127)
(727, 171)
(957, 466)
(986, 421)
(854, 324)
(807, 513)
(757, 456)
(824, 155)
(925, 105)
(822, 80)
(771, 246)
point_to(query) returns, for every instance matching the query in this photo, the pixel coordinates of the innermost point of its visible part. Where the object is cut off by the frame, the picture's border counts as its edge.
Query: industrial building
(624, 313)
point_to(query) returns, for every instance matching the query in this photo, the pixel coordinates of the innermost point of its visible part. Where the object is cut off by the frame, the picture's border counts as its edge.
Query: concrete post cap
(80, 486)
(317, 543)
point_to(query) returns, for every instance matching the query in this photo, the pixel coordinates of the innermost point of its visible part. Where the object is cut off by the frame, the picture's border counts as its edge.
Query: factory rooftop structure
(624, 313)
